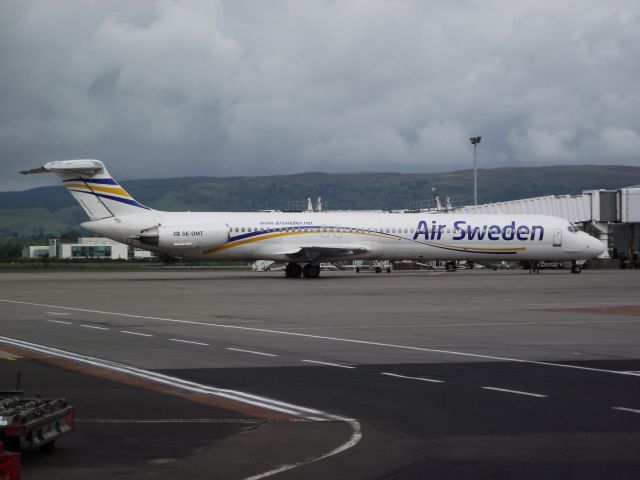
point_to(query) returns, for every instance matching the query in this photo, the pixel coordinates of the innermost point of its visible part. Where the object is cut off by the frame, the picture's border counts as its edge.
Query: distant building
(35, 251)
(86, 248)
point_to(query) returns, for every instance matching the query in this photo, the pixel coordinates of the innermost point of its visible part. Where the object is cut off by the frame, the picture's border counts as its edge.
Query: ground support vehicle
(34, 422)
(374, 266)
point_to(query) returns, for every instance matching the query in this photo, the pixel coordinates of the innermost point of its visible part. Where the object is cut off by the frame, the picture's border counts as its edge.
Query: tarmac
(229, 374)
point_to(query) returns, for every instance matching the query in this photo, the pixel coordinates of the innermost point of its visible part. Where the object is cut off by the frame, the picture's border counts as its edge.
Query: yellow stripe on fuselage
(245, 241)
(116, 190)
(475, 249)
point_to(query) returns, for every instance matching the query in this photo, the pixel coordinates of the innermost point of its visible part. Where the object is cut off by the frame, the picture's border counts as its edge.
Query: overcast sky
(165, 88)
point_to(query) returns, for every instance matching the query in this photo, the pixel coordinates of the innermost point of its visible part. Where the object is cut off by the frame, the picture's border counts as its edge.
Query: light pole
(475, 141)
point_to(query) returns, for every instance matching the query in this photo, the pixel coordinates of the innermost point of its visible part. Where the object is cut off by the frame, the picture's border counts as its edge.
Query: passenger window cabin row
(322, 229)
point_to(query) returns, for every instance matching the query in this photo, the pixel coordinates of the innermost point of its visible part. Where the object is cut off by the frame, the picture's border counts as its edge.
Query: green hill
(53, 210)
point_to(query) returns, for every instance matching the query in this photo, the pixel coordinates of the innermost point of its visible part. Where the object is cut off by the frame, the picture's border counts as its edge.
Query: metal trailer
(373, 266)
(34, 422)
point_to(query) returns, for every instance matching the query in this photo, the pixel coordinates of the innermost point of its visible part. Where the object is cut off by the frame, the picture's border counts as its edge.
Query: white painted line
(412, 378)
(517, 392)
(168, 420)
(95, 327)
(58, 313)
(625, 409)
(247, 398)
(252, 351)
(189, 341)
(60, 321)
(243, 397)
(356, 435)
(136, 333)
(336, 339)
(328, 364)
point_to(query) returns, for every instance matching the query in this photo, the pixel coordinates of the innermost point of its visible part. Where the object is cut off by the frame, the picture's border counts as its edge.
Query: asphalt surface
(453, 375)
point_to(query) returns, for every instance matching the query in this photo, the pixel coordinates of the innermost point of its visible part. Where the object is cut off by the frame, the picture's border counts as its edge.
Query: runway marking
(60, 321)
(168, 420)
(188, 341)
(234, 395)
(625, 409)
(475, 324)
(356, 435)
(610, 309)
(517, 392)
(136, 333)
(334, 339)
(179, 383)
(95, 327)
(328, 364)
(58, 313)
(9, 356)
(412, 378)
(252, 351)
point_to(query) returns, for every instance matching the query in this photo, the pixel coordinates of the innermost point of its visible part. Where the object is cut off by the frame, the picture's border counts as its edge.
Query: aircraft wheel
(378, 270)
(576, 269)
(311, 271)
(357, 269)
(450, 266)
(293, 270)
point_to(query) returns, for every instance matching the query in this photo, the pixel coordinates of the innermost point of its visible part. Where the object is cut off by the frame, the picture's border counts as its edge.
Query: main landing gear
(294, 270)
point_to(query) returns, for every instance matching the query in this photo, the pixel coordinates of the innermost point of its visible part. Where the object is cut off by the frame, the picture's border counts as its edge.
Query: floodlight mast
(475, 141)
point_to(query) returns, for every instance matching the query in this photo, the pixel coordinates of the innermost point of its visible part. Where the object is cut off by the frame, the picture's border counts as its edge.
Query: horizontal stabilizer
(87, 167)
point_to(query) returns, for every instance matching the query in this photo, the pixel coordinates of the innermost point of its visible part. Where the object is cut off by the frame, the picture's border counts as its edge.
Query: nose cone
(593, 246)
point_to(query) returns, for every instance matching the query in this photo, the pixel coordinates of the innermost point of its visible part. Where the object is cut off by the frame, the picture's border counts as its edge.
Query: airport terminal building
(87, 248)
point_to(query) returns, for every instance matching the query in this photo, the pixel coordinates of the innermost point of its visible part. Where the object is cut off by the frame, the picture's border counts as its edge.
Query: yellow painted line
(8, 356)
(115, 190)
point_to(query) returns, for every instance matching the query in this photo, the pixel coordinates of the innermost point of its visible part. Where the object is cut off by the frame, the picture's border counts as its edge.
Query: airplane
(304, 239)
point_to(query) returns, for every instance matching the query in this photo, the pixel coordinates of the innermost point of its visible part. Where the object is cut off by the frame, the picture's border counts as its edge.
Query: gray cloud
(252, 87)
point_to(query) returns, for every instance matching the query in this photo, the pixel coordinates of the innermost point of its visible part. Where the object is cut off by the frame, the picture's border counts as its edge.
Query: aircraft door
(557, 237)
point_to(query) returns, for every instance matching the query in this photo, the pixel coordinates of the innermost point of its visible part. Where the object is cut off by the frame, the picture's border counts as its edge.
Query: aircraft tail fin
(93, 188)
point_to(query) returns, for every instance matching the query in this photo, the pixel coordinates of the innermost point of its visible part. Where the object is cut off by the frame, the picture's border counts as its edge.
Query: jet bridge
(598, 210)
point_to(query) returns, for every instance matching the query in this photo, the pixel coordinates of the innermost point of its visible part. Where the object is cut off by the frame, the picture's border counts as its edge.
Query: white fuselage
(369, 235)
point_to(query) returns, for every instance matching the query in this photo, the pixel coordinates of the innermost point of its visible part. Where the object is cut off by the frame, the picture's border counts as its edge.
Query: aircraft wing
(310, 254)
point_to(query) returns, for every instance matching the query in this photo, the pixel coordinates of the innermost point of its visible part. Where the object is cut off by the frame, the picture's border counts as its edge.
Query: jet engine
(186, 236)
